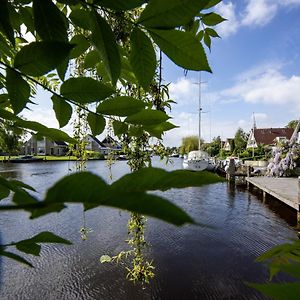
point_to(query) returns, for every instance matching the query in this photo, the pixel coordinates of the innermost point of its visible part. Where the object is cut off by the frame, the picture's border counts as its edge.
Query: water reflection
(192, 262)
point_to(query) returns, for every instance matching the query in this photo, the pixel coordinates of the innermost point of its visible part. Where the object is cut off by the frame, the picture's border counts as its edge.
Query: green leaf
(281, 291)
(96, 192)
(136, 131)
(119, 127)
(182, 48)
(62, 68)
(207, 40)
(292, 269)
(49, 21)
(101, 71)
(212, 3)
(85, 90)
(22, 197)
(97, 123)
(120, 4)
(105, 42)
(212, 19)
(29, 248)
(80, 17)
(105, 258)
(15, 18)
(4, 192)
(4, 100)
(5, 25)
(120, 106)
(15, 257)
(38, 58)
(151, 205)
(153, 179)
(170, 14)
(147, 117)
(91, 59)
(18, 183)
(142, 58)
(82, 44)
(18, 90)
(27, 17)
(67, 189)
(211, 32)
(159, 129)
(47, 237)
(63, 110)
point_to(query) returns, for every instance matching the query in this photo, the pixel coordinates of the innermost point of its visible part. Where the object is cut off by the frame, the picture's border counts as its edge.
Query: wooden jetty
(286, 190)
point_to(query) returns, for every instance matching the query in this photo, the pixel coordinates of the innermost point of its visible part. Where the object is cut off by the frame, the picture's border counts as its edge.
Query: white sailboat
(197, 160)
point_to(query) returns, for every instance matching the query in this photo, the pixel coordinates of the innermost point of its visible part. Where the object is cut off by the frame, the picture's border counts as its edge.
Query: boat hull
(195, 165)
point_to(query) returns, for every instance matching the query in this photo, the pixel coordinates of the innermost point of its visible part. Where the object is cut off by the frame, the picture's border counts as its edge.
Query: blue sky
(256, 69)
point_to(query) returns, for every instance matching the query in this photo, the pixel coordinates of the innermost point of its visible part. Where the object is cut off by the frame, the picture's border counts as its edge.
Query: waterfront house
(268, 136)
(44, 146)
(111, 143)
(93, 144)
(228, 145)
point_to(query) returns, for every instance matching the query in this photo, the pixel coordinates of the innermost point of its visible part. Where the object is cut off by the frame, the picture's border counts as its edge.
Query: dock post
(265, 195)
(230, 173)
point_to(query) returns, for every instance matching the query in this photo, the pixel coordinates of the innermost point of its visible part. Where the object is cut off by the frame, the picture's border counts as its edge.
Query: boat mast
(200, 111)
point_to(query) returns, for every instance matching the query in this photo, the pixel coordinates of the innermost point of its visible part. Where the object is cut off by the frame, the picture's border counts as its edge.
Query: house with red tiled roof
(268, 136)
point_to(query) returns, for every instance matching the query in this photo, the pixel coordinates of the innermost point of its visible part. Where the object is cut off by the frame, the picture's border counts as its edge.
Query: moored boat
(26, 159)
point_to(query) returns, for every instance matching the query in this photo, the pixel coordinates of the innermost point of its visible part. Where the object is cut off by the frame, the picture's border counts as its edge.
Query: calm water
(191, 262)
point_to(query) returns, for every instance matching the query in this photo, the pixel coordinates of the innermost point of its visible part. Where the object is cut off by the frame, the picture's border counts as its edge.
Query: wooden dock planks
(284, 189)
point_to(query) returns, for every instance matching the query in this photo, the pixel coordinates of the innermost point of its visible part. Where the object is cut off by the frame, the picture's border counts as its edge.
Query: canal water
(191, 262)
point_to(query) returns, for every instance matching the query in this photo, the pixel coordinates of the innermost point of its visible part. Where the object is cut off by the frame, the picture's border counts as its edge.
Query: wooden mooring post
(230, 172)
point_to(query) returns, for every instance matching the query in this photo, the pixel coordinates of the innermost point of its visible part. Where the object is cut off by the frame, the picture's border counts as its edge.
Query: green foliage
(49, 21)
(5, 25)
(189, 143)
(283, 258)
(121, 194)
(39, 58)
(85, 90)
(18, 90)
(63, 110)
(121, 106)
(31, 246)
(240, 140)
(163, 14)
(182, 48)
(96, 122)
(214, 147)
(147, 117)
(292, 124)
(115, 43)
(104, 40)
(142, 58)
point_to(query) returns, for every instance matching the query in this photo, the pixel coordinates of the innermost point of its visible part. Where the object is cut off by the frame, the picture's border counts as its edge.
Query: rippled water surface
(191, 262)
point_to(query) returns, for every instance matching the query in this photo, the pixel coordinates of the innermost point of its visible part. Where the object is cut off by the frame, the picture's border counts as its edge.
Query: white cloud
(270, 87)
(259, 12)
(230, 26)
(255, 13)
(185, 92)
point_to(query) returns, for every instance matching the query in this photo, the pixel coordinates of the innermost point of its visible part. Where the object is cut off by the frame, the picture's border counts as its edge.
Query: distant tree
(189, 143)
(292, 124)
(240, 140)
(214, 147)
(10, 138)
